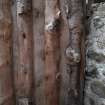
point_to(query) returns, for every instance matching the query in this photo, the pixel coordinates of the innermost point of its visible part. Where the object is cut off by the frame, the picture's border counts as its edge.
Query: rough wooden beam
(23, 74)
(6, 86)
(74, 13)
(52, 54)
(38, 28)
(64, 40)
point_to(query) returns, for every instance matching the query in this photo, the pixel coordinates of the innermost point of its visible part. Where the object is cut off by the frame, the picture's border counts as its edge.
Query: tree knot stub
(24, 101)
(52, 26)
(73, 56)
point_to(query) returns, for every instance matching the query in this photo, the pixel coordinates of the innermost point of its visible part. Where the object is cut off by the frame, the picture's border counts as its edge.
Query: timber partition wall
(41, 52)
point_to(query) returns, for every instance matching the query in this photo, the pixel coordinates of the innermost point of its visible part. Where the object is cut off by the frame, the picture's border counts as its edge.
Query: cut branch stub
(54, 23)
(73, 56)
(25, 101)
(52, 54)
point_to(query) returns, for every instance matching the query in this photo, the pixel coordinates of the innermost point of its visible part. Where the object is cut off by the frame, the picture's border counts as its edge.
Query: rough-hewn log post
(24, 73)
(38, 28)
(52, 56)
(74, 12)
(6, 89)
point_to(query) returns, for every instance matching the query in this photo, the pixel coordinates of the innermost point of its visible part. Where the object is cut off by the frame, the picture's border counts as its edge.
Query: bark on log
(6, 82)
(74, 12)
(24, 73)
(52, 54)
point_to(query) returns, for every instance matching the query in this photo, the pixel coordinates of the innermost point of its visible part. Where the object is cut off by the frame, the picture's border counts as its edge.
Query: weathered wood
(64, 41)
(6, 83)
(52, 52)
(74, 12)
(38, 29)
(23, 74)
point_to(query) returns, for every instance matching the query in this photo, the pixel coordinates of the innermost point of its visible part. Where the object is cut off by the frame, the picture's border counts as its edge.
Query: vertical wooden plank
(52, 52)
(6, 86)
(64, 43)
(23, 74)
(15, 43)
(74, 11)
(38, 28)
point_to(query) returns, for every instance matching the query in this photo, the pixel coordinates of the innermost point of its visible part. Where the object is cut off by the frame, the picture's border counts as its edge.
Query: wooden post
(74, 12)
(52, 52)
(23, 74)
(6, 86)
(38, 28)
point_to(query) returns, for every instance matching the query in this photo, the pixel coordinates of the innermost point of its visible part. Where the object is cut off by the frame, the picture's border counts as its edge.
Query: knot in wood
(24, 101)
(53, 25)
(73, 56)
